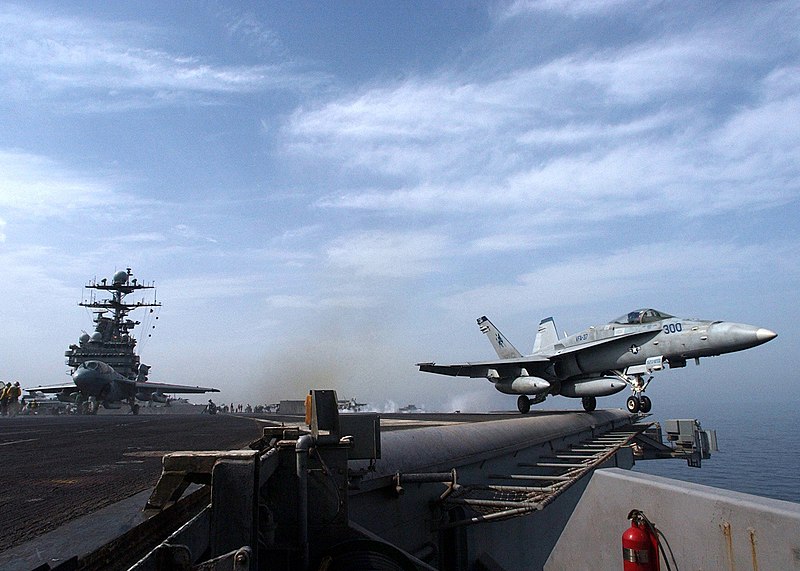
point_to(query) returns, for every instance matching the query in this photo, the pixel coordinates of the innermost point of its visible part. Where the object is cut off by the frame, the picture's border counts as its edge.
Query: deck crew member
(14, 392)
(4, 394)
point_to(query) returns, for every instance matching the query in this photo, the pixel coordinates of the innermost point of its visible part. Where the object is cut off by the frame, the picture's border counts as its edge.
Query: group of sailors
(9, 399)
(213, 408)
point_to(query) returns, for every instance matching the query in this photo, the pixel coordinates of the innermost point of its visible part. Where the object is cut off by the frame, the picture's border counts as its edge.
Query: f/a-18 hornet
(105, 368)
(602, 360)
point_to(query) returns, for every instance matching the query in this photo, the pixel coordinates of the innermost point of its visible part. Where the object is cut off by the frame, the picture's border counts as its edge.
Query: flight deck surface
(57, 468)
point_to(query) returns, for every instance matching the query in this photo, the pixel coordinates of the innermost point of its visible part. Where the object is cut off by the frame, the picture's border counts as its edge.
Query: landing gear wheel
(645, 404)
(589, 403)
(523, 404)
(135, 409)
(633, 404)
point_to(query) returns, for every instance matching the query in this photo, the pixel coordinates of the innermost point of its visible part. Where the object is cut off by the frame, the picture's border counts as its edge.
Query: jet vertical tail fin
(547, 335)
(503, 347)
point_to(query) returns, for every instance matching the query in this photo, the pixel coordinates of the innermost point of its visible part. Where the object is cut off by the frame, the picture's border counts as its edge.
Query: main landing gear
(524, 402)
(589, 403)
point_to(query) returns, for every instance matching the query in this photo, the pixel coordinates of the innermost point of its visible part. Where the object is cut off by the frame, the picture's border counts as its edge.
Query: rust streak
(726, 531)
(752, 533)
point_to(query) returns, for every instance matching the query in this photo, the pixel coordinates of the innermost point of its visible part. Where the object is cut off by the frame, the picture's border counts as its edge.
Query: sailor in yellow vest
(4, 398)
(14, 392)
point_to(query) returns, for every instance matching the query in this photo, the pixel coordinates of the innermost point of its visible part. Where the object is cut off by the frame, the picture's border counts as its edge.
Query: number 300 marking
(673, 328)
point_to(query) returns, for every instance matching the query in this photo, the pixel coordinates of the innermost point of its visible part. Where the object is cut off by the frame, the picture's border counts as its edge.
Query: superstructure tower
(112, 341)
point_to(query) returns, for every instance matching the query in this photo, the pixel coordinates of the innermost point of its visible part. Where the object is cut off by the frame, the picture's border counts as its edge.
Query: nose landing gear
(638, 401)
(134, 406)
(639, 404)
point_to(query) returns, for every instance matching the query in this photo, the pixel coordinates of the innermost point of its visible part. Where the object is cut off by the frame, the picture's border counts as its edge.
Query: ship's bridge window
(641, 316)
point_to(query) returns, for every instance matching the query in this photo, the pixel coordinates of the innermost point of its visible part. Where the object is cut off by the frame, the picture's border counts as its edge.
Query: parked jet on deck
(602, 360)
(96, 383)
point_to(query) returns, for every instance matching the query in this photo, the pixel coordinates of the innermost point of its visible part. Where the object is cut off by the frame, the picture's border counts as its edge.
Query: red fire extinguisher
(640, 544)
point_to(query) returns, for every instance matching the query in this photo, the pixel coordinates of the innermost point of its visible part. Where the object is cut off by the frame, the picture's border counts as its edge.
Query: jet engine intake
(522, 386)
(601, 387)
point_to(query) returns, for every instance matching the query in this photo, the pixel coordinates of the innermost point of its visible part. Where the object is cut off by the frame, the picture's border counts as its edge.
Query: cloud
(647, 270)
(573, 8)
(34, 185)
(187, 291)
(141, 237)
(93, 65)
(646, 127)
(450, 126)
(309, 302)
(388, 254)
(252, 30)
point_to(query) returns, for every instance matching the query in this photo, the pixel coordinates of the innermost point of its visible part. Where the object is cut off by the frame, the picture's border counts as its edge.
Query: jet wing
(534, 364)
(577, 348)
(167, 388)
(53, 388)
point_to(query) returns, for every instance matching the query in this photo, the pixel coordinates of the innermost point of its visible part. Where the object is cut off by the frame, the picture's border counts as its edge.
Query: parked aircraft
(602, 360)
(96, 383)
(351, 405)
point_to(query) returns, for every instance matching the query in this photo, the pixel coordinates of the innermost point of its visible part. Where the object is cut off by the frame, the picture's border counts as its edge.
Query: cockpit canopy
(642, 316)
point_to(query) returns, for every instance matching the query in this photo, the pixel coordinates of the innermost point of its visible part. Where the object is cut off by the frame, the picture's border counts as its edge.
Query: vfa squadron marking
(603, 359)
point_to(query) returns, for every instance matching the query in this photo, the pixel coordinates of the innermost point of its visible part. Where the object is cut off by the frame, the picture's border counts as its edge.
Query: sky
(325, 193)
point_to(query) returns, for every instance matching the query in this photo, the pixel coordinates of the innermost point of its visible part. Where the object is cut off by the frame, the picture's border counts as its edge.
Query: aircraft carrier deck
(546, 490)
(54, 469)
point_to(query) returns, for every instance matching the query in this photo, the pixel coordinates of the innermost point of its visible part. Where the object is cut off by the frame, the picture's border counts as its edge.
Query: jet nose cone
(763, 335)
(729, 337)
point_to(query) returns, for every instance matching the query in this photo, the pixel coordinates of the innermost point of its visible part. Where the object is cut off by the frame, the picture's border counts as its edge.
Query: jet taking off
(602, 360)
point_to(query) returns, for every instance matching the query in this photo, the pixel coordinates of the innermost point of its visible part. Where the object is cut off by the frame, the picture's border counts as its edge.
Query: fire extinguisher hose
(639, 515)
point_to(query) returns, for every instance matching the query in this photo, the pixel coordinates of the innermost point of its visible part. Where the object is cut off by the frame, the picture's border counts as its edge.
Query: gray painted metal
(439, 449)
(294, 501)
(707, 528)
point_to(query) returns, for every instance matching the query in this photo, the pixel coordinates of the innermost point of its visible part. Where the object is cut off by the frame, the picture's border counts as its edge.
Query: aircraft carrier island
(547, 490)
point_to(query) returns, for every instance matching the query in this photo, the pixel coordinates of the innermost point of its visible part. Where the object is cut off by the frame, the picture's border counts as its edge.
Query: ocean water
(757, 454)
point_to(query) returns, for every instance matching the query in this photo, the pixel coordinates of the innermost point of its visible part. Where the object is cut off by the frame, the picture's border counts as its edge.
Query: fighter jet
(351, 405)
(602, 360)
(96, 383)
